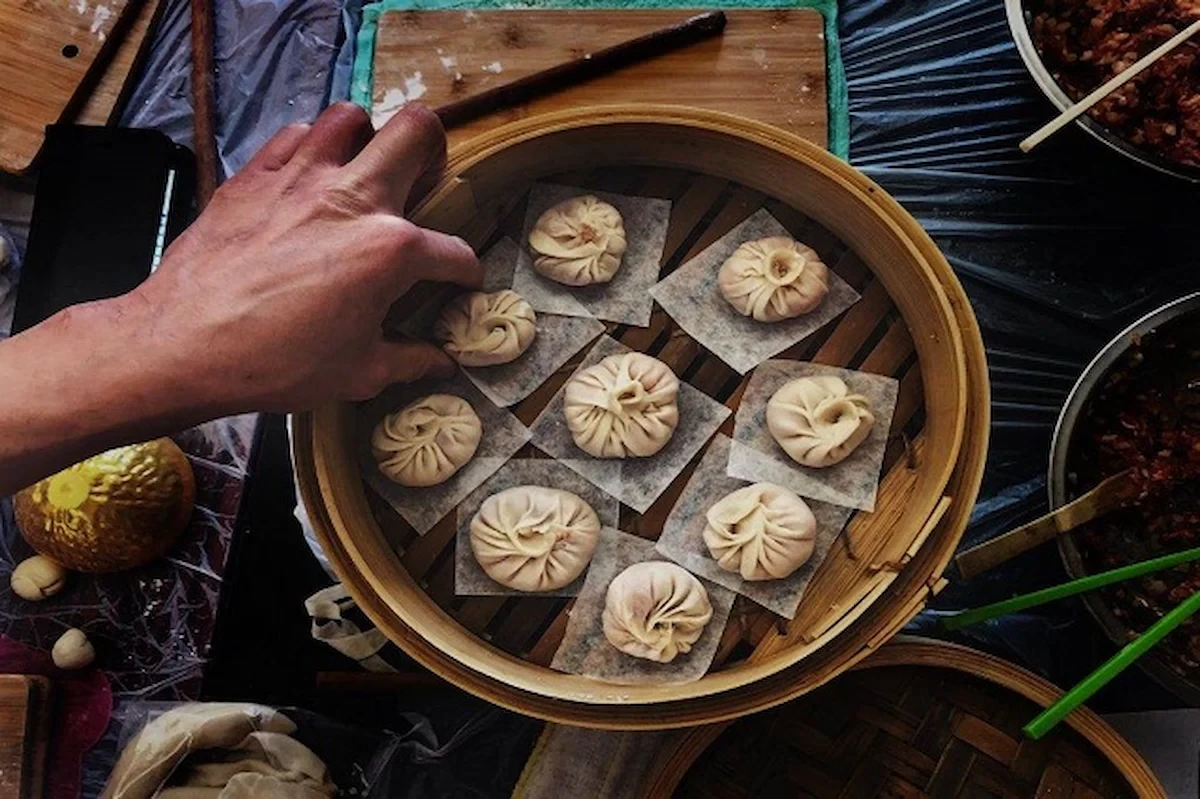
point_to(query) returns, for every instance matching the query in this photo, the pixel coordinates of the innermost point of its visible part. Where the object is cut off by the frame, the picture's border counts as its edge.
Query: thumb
(409, 360)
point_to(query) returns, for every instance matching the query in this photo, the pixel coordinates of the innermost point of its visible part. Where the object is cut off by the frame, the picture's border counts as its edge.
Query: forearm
(93, 377)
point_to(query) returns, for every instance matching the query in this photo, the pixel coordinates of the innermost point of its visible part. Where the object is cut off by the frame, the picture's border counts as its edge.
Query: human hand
(276, 295)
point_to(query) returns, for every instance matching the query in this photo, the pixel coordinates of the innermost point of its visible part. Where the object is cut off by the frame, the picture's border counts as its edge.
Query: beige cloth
(218, 751)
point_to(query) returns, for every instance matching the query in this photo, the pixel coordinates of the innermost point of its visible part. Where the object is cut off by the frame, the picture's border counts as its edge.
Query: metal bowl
(1060, 456)
(1019, 22)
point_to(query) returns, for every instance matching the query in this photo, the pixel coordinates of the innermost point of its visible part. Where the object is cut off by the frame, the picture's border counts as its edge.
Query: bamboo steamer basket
(918, 718)
(914, 322)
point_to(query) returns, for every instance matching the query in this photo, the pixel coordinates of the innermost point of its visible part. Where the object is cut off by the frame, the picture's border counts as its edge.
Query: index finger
(405, 149)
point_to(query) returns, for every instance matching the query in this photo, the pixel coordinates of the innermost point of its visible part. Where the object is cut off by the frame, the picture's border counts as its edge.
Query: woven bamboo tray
(913, 322)
(919, 718)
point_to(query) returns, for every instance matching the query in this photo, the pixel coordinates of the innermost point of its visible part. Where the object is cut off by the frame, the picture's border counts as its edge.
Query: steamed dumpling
(817, 421)
(534, 539)
(486, 329)
(578, 242)
(762, 532)
(655, 611)
(427, 442)
(774, 279)
(624, 406)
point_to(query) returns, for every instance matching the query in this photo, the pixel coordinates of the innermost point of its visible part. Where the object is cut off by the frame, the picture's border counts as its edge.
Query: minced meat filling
(1145, 416)
(1085, 42)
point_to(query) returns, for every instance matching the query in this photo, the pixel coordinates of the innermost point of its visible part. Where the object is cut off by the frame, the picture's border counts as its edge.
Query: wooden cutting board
(46, 50)
(105, 101)
(24, 735)
(768, 65)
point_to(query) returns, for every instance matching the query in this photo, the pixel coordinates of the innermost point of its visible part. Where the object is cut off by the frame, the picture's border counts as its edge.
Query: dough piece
(773, 279)
(762, 532)
(486, 329)
(427, 442)
(655, 611)
(817, 421)
(578, 242)
(534, 539)
(624, 406)
(37, 578)
(73, 650)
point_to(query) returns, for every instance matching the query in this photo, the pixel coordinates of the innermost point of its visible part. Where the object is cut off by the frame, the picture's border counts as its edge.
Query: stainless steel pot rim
(1019, 24)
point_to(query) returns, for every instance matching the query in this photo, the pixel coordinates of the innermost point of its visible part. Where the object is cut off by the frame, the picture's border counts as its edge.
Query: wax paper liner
(584, 649)
(469, 577)
(682, 538)
(503, 435)
(558, 339)
(757, 457)
(635, 481)
(626, 298)
(692, 297)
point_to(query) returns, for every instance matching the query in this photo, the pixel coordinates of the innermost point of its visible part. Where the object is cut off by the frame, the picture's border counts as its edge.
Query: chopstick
(1051, 716)
(592, 65)
(1073, 112)
(1081, 585)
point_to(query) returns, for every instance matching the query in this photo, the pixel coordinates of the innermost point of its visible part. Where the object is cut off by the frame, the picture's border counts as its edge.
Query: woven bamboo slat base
(907, 729)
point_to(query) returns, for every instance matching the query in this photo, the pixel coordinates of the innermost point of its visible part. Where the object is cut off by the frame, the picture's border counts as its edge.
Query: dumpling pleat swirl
(624, 406)
(655, 611)
(762, 532)
(578, 242)
(428, 441)
(774, 279)
(531, 538)
(486, 329)
(817, 421)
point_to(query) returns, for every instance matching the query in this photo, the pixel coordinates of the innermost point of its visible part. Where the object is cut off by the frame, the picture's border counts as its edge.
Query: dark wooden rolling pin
(592, 65)
(204, 112)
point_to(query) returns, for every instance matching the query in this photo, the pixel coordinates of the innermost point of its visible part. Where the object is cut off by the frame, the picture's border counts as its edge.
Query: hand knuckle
(403, 236)
(344, 199)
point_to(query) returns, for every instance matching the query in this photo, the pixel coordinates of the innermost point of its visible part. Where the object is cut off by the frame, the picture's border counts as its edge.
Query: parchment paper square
(469, 577)
(757, 457)
(626, 298)
(635, 481)
(693, 299)
(584, 649)
(502, 436)
(682, 538)
(558, 339)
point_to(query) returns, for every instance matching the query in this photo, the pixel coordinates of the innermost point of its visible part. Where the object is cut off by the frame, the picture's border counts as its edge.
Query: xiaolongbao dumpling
(762, 532)
(817, 421)
(486, 329)
(623, 406)
(655, 610)
(428, 441)
(578, 242)
(774, 279)
(534, 539)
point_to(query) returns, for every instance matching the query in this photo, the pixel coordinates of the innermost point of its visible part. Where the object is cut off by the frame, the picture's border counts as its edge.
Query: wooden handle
(1073, 112)
(1109, 494)
(204, 114)
(590, 66)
